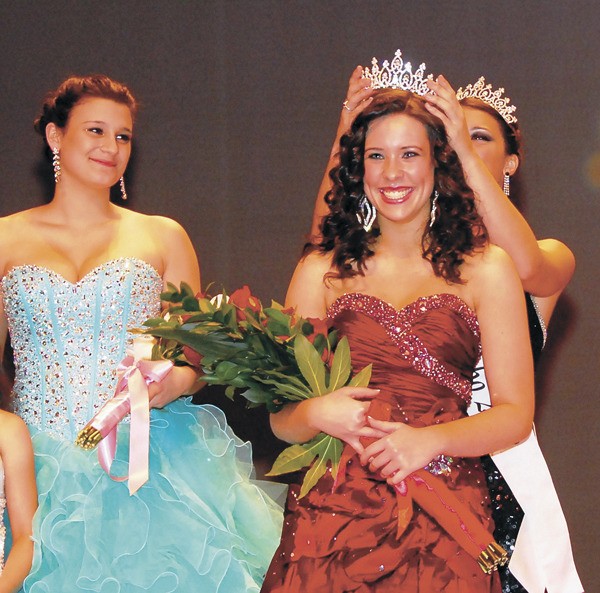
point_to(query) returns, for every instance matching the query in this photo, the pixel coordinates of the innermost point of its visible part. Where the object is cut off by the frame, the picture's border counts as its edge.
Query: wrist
(194, 382)
(466, 154)
(313, 413)
(438, 440)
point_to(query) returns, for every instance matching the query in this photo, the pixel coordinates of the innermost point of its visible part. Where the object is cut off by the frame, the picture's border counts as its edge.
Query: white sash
(542, 559)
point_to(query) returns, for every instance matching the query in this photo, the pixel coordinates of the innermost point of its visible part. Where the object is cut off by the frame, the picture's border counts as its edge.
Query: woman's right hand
(343, 414)
(358, 96)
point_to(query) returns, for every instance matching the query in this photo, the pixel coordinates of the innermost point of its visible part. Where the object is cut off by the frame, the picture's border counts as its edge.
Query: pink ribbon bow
(131, 395)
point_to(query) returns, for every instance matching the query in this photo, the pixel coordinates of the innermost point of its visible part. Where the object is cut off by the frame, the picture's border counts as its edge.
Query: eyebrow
(98, 121)
(408, 147)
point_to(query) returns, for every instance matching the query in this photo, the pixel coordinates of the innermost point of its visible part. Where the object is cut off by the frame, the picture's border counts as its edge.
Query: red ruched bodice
(363, 535)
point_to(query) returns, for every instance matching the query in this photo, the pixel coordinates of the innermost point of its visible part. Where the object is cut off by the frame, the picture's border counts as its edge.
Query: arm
(179, 257)
(180, 264)
(21, 499)
(358, 97)
(498, 298)
(342, 413)
(544, 269)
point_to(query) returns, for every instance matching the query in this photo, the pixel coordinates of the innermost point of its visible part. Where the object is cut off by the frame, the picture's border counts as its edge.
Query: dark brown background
(240, 103)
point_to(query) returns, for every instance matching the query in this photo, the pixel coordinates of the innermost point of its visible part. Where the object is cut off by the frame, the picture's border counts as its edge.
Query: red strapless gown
(363, 535)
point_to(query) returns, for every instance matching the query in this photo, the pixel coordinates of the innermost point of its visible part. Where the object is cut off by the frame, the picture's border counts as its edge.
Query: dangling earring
(56, 164)
(506, 184)
(436, 195)
(123, 192)
(366, 213)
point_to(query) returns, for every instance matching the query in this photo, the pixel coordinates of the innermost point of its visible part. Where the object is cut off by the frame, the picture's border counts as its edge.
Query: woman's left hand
(442, 103)
(179, 381)
(400, 450)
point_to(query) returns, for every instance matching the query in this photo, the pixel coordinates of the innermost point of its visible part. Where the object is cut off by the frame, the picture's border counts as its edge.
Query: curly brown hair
(458, 229)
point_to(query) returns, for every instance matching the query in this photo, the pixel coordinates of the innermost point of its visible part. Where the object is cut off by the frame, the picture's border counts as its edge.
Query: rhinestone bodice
(68, 338)
(435, 338)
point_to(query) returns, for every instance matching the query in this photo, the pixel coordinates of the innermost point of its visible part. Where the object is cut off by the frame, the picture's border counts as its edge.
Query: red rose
(193, 357)
(242, 298)
(320, 326)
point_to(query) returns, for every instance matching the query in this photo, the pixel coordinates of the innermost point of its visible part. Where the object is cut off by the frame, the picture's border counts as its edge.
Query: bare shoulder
(165, 224)
(488, 264)
(163, 229)
(15, 224)
(490, 274)
(307, 290)
(314, 266)
(13, 229)
(152, 222)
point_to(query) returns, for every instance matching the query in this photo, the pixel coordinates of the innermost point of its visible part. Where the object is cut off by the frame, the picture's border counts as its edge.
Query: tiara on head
(397, 75)
(494, 99)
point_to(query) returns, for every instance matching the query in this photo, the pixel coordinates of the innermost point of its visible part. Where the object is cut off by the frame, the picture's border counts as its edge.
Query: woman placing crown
(404, 271)
(488, 147)
(483, 131)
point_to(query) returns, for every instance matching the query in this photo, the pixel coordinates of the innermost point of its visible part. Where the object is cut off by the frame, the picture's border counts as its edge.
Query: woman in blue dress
(77, 274)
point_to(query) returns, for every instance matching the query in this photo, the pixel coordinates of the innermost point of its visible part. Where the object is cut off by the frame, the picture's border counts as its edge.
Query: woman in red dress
(404, 271)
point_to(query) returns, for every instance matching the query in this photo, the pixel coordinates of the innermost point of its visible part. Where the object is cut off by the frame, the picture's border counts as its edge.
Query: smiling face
(399, 169)
(95, 145)
(488, 140)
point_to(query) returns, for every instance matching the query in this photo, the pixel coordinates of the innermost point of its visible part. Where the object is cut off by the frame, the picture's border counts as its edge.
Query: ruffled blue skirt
(199, 525)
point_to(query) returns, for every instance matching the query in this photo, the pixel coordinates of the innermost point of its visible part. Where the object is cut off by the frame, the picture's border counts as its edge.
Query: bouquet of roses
(269, 355)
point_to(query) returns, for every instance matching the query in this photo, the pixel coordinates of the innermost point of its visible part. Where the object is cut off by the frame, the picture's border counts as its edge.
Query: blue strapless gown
(199, 525)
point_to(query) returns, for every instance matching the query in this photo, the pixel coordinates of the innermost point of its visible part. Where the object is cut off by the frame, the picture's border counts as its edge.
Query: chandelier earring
(433, 213)
(366, 213)
(506, 184)
(56, 164)
(123, 192)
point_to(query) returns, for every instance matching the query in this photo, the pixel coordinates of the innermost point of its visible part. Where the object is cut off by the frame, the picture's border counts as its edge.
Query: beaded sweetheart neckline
(90, 274)
(422, 299)
(399, 323)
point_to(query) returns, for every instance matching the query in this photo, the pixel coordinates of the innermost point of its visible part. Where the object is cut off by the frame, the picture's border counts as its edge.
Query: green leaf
(278, 322)
(320, 343)
(310, 364)
(340, 366)
(329, 449)
(287, 376)
(174, 295)
(292, 459)
(362, 379)
(325, 448)
(190, 303)
(289, 392)
(226, 371)
(214, 344)
(256, 395)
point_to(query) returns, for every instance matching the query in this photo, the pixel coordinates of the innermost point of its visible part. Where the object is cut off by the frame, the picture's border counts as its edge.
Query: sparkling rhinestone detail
(540, 319)
(68, 338)
(398, 325)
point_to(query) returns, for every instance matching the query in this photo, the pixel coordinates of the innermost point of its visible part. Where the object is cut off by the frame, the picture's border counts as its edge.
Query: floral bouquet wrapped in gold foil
(269, 355)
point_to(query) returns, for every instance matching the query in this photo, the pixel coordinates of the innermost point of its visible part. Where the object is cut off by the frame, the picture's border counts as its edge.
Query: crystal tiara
(494, 99)
(397, 75)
